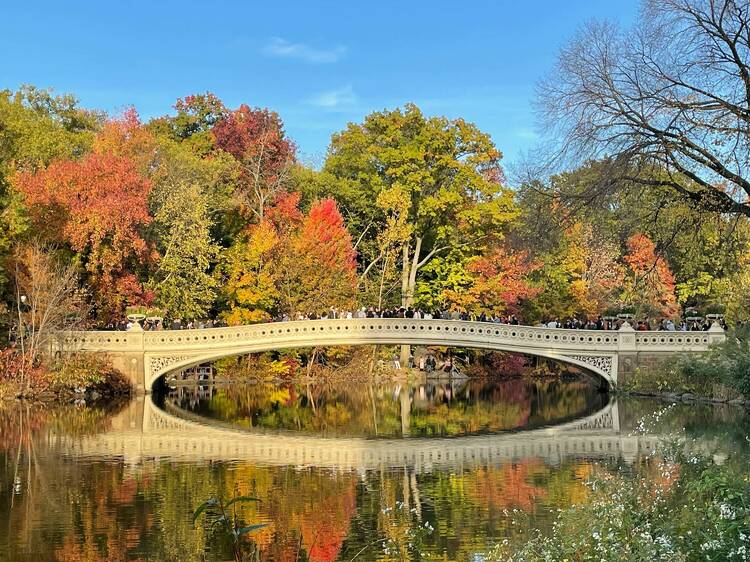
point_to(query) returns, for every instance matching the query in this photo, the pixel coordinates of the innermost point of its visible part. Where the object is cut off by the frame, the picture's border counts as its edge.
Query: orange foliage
(652, 283)
(507, 487)
(499, 283)
(128, 138)
(98, 205)
(324, 530)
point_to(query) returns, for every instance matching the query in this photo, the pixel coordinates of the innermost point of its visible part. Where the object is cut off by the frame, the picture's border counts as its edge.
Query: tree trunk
(409, 269)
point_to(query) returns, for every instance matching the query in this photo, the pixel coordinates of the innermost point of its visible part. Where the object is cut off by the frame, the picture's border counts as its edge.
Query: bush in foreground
(74, 373)
(686, 510)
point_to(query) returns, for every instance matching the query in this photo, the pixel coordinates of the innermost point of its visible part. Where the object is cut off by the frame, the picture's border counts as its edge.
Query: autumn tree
(249, 275)
(318, 267)
(192, 125)
(36, 127)
(256, 139)
(650, 283)
(98, 207)
(495, 283)
(47, 300)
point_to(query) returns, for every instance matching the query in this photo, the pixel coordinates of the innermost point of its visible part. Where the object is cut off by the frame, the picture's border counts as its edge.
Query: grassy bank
(722, 374)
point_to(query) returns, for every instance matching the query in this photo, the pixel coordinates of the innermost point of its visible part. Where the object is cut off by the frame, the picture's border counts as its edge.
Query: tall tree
(441, 176)
(249, 275)
(668, 102)
(36, 127)
(256, 139)
(182, 283)
(318, 266)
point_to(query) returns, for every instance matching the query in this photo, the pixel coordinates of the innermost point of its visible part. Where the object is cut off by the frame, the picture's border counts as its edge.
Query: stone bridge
(144, 432)
(147, 356)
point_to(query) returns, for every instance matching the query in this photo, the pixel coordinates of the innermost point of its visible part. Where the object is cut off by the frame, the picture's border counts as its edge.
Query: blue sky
(320, 64)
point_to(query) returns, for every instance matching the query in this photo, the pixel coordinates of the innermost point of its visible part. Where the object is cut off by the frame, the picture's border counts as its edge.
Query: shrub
(685, 509)
(722, 372)
(88, 371)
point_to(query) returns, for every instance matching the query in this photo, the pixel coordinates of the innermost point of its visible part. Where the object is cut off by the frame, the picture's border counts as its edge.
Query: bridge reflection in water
(144, 432)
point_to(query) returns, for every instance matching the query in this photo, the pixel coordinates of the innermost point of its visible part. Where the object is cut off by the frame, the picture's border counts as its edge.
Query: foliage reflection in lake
(90, 484)
(362, 409)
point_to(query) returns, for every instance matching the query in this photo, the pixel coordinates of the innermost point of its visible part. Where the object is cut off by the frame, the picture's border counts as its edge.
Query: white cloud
(333, 99)
(527, 134)
(279, 47)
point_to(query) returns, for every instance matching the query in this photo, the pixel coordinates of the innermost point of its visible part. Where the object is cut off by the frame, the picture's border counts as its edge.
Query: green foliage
(227, 523)
(722, 372)
(440, 177)
(183, 282)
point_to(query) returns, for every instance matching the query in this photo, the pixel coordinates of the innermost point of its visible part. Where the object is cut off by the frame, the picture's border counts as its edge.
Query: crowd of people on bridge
(598, 323)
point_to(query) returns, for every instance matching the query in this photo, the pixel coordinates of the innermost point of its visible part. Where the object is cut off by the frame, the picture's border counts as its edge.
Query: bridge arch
(599, 365)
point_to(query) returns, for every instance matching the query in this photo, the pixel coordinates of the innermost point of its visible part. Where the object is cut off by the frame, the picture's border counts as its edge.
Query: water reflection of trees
(60, 508)
(429, 409)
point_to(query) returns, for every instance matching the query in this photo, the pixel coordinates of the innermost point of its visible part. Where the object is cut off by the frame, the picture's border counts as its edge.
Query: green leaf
(240, 499)
(250, 528)
(213, 502)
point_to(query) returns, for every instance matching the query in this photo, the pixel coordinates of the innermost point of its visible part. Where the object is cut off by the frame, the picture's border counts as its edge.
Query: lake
(348, 470)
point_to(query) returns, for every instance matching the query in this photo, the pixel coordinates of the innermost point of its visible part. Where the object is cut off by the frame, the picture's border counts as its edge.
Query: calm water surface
(381, 472)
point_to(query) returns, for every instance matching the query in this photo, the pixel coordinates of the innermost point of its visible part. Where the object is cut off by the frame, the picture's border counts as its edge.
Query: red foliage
(97, 205)
(324, 530)
(246, 132)
(326, 237)
(500, 283)
(17, 370)
(284, 213)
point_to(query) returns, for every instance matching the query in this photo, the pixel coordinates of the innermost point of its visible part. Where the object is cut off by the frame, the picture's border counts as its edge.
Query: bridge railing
(392, 329)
